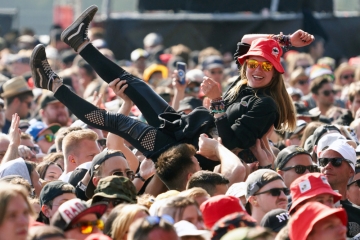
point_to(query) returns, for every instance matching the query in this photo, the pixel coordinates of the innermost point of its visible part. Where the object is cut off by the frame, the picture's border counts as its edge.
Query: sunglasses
(216, 72)
(47, 137)
(328, 92)
(28, 104)
(113, 201)
(356, 181)
(301, 169)
(275, 192)
(336, 162)
(157, 220)
(303, 82)
(88, 227)
(266, 66)
(129, 174)
(347, 76)
(34, 149)
(303, 66)
(101, 142)
(192, 90)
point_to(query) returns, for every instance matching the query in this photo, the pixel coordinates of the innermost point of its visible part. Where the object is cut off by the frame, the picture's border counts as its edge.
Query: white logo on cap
(275, 51)
(324, 180)
(304, 186)
(70, 209)
(283, 217)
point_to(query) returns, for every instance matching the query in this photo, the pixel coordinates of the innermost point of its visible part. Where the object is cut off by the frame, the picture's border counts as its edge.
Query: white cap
(345, 150)
(327, 139)
(138, 53)
(237, 190)
(195, 75)
(184, 228)
(294, 91)
(152, 39)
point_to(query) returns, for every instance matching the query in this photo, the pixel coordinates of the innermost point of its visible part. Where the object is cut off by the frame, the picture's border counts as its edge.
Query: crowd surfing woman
(165, 127)
(258, 99)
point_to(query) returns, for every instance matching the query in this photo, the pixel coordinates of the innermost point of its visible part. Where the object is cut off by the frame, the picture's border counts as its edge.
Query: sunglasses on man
(327, 93)
(48, 137)
(88, 226)
(129, 174)
(275, 192)
(113, 201)
(336, 162)
(357, 182)
(301, 169)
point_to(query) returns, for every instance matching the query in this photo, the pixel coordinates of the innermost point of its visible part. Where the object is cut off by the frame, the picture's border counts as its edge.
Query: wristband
(265, 167)
(137, 175)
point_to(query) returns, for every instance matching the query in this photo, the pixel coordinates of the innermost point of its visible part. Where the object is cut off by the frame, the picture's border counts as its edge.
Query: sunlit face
(353, 191)
(266, 202)
(290, 175)
(16, 221)
(57, 201)
(328, 228)
(56, 113)
(52, 173)
(192, 214)
(257, 77)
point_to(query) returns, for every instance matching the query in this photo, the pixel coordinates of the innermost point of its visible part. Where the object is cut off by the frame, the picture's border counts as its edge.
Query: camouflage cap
(115, 187)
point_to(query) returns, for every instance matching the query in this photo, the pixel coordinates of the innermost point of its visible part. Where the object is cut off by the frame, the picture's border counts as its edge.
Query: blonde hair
(194, 192)
(286, 109)
(340, 69)
(7, 193)
(122, 222)
(300, 56)
(72, 139)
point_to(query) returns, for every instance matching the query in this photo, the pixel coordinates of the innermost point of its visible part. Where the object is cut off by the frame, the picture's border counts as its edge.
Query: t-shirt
(6, 126)
(353, 212)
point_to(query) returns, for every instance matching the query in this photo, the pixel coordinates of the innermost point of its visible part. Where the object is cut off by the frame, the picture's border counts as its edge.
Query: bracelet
(137, 175)
(265, 167)
(219, 99)
(217, 107)
(283, 40)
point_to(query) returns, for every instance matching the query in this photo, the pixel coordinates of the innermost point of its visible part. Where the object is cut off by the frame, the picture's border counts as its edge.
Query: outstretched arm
(114, 141)
(231, 166)
(14, 134)
(299, 38)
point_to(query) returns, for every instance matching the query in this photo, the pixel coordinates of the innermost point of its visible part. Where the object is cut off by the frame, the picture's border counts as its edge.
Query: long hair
(126, 216)
(277, 90)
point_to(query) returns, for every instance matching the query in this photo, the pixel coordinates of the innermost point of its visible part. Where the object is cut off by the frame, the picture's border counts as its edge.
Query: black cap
(95, 164)
(47, 98)
(276, 219)
(300, 125)
(77, 175)
(189, 103)
(321, 131)
(286, 154)
(303, 111)
(53, 189)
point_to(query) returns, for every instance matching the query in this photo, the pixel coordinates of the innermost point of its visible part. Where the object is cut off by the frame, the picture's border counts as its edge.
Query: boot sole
(33, 69)
(77, 22)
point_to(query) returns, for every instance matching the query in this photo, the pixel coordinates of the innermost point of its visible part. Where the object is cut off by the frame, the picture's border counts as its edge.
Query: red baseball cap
(266, 48)
(302, 222)
(308, 186)
(219, 206)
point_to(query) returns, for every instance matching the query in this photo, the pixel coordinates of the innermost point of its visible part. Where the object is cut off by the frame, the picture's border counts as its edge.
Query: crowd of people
(259, 144)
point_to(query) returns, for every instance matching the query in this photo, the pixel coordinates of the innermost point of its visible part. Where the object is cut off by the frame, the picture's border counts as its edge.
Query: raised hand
(119, 86)
(210, 88)
(147, 168)
(14, 131)
(301, 38)
(208, 147)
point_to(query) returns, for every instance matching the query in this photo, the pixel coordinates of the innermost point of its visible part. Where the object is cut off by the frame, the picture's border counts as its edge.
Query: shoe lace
(49, 72)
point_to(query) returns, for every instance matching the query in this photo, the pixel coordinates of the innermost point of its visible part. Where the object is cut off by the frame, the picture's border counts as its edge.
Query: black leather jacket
(247, 118)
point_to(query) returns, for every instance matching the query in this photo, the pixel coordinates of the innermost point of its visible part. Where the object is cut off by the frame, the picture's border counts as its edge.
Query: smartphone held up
(181, 67)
